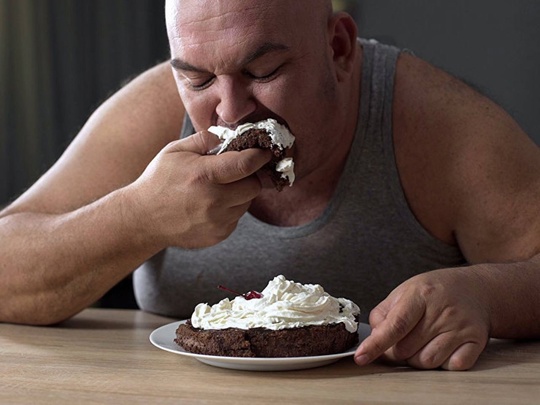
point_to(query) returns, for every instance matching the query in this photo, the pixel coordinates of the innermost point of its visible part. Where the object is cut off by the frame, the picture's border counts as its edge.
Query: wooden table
(104, 356)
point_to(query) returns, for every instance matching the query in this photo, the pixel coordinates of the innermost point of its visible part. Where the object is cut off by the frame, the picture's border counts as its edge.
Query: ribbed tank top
(365, 243)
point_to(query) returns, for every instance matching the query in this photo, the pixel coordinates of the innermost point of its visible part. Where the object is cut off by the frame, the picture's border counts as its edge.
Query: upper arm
(497, 181)
(470, 173)
(113, 147)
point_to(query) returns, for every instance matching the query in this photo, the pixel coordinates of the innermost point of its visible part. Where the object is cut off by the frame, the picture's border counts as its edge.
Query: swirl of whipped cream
(284, 304)
(279, 134)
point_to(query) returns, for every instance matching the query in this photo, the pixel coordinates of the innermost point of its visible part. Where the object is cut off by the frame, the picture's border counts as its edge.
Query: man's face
(238, 61)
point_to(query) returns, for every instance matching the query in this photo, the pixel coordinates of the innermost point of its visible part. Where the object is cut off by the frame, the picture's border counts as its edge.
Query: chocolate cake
(314, 340)
(286, 319)
(259, 138)
(267, 134)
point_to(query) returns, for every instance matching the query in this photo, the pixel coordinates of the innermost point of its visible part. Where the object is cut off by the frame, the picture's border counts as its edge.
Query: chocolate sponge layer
(260, 342)
(259, 138)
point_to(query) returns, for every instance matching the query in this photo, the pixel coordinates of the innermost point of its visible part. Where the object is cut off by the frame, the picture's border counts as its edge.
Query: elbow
(33, 319)
(35, 312)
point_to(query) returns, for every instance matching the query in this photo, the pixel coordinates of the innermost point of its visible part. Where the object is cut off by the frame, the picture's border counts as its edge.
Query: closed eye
(201, 86)
(259, 78)
(263, 78)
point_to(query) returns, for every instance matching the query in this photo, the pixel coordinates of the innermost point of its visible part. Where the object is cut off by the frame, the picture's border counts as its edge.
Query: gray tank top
(365, 243)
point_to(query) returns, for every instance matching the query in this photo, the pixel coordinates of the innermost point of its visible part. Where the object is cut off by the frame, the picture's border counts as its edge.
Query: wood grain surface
(104, 356)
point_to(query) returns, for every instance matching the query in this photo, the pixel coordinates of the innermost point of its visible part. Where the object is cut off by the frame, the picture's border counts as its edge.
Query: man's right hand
(189, 199)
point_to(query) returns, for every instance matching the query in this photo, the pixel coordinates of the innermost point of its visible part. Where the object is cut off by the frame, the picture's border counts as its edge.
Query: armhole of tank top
(354, 156)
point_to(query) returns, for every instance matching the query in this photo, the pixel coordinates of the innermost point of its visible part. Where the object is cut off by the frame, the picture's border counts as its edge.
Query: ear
(342, 35)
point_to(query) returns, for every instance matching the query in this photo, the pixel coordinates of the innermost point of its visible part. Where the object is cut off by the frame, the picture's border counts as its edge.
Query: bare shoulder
(112, 148)
(470, 173)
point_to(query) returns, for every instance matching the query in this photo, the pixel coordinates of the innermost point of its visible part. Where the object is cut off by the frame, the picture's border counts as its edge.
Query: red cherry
(248, 296)
(252, 294)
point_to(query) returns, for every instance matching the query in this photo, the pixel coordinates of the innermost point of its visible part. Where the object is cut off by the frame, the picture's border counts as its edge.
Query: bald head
(303, 15)
(324, 5)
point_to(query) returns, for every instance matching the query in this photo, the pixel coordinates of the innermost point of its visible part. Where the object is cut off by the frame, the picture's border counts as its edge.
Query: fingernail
(362, 360)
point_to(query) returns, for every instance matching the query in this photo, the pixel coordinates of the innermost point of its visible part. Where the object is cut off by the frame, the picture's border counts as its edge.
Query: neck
(290, 207)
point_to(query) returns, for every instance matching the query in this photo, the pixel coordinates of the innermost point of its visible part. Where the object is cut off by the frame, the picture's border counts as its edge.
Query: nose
(235, 101)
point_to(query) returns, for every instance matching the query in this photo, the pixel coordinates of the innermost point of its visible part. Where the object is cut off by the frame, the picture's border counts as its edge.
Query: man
(408, 185)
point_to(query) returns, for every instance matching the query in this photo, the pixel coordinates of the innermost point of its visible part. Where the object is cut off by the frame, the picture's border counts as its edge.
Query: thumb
(201, 143)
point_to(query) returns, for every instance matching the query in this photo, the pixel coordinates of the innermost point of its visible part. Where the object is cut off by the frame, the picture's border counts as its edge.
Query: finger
(228, 223)
(237, 211)
(200, 143)
(401, 319)
(435, 352)
(234, 166)
(419, 337)
(240, 192)
(464, 357)
(379, 313)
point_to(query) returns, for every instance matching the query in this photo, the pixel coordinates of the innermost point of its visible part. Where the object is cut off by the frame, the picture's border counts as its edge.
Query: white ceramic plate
(164, 336)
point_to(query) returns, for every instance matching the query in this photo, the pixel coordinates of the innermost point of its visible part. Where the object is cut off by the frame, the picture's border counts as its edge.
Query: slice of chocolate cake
(268, 134)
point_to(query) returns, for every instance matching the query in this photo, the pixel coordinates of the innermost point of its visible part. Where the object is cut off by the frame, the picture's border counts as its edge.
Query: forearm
(512, 291)
(53, 266)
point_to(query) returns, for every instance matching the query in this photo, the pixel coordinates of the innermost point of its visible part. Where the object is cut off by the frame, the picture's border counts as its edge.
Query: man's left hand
(436, 319)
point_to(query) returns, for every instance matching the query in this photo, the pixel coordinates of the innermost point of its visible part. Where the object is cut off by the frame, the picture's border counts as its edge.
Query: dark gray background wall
(493, 44)
(59, 59)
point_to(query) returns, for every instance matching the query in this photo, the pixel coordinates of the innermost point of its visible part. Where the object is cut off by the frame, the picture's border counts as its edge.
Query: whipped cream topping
(284, 304)
(279, 134)
(286, 168)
